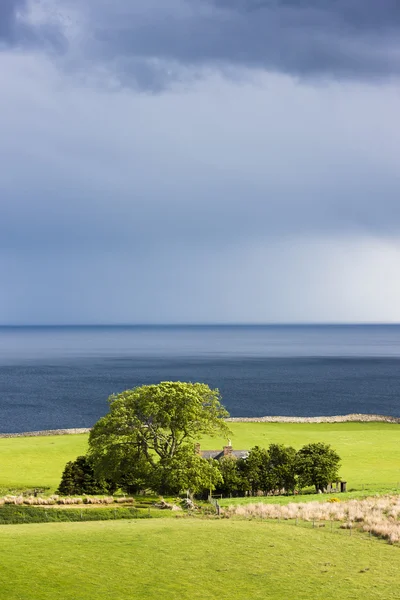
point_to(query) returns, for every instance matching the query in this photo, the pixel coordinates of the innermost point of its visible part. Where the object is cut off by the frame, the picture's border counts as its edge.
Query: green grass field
(197, 558)
(370, 451)
(37, 461)
(193, 559)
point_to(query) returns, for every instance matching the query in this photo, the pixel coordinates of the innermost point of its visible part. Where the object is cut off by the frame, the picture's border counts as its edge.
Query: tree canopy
(268, 469)
(277, 468)
(186, 471)
(147, 441)
(281, 467)
(317, 464)
(148, 427)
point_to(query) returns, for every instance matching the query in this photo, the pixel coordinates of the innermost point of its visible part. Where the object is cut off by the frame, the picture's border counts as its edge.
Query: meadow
(248, 554)
(370, 452)
(193, 559)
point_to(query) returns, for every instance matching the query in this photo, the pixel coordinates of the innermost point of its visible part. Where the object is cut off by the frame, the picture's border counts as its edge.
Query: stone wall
(46, 432)
(335, 419)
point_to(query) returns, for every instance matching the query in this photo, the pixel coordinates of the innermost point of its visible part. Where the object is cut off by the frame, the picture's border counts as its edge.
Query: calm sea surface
(56, 377)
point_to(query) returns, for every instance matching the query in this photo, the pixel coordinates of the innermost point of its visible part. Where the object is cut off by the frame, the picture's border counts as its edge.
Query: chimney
(197, 449)
(228, 449)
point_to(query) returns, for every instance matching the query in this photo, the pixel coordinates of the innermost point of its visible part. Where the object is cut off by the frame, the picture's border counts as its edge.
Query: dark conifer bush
(79, 478)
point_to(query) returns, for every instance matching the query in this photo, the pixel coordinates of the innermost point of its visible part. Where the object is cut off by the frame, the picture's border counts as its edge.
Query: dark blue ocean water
(56, 377)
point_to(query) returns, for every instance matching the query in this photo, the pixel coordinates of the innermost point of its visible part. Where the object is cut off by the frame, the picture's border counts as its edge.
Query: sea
(61, 377)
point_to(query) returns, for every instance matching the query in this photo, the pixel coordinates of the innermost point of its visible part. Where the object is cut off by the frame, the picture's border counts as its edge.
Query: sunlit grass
(192, 559)
(370, 452)
(378, 515)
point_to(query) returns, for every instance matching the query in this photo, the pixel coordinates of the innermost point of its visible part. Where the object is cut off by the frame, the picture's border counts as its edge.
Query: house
(218, 454)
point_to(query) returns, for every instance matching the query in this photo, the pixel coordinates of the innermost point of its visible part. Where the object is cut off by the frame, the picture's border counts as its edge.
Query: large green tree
(281, 468)
(254, 470)
(148, 427)
(232, 481)
(318, 465)
(186, 472)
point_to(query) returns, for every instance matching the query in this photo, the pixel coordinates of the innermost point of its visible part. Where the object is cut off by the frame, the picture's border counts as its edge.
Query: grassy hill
(199, 558)
(193, 559)
(370, 451)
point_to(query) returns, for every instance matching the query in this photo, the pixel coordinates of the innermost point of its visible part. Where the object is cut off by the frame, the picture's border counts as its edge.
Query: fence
(215, 504)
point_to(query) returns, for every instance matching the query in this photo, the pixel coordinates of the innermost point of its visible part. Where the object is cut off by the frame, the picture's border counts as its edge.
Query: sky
(199, 161)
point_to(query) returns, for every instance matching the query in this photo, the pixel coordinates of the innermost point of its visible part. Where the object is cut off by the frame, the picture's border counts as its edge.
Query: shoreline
(351, 418)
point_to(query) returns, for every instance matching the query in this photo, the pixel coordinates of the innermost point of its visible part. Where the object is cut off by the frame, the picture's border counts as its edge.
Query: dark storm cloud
(342, 38)
(8, 19)
(159, 41)
(83, 168)
(16, 30)
(259, 183)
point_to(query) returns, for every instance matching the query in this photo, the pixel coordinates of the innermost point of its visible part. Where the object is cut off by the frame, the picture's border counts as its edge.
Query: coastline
(351, 418)
(46, 432)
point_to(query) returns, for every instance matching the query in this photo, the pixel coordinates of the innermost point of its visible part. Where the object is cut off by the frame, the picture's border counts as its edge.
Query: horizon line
(208, 324)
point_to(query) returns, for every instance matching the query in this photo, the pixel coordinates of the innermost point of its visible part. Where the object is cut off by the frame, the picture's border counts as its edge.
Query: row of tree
(146, 441)
(276, 468)
(279, 468)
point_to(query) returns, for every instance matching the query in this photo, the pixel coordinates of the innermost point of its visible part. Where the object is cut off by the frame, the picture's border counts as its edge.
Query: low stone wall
(46, 432)
(335, 419)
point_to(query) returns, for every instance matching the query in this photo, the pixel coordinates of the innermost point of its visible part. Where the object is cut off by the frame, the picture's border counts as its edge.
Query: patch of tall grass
(378, 515)
(53, 500)
(11, 514)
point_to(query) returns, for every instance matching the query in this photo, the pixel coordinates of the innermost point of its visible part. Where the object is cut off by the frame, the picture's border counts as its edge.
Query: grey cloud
(8, 19)
(223, 201)
(307, 38)
(17, 30)
(154, 43)
(90, 171)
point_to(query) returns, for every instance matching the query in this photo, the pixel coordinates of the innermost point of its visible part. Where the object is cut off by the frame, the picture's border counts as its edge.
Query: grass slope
(192, 559)
(370, 451)
(37, 461)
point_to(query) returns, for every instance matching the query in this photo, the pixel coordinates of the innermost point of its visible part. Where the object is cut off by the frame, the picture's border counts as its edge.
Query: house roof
(218, 454)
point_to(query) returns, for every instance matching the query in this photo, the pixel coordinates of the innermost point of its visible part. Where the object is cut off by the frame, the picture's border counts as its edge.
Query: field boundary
(46, 432)
(355, 418)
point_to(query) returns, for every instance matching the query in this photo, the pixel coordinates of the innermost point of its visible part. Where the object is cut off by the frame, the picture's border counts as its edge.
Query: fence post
(215, 504)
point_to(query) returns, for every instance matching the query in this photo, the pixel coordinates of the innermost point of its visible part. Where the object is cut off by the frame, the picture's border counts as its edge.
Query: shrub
(79, 478)
(12, 514)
